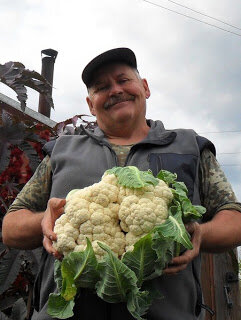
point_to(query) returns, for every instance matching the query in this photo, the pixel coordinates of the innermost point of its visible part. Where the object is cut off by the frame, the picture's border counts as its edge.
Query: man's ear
(92, 109)
(146, 87)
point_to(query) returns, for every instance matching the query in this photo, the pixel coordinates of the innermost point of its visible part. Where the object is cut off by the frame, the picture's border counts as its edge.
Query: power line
(228, 153)
(227, 131)
(203, 14)
(187, 16)
(230, 165)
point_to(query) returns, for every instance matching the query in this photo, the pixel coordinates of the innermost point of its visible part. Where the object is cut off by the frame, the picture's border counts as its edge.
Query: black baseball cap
(114, 55)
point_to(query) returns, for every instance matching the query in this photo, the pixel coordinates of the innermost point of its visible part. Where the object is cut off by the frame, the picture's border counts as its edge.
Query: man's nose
(116, 88)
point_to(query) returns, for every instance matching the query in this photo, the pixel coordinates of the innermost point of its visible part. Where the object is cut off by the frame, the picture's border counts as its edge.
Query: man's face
(117, 95)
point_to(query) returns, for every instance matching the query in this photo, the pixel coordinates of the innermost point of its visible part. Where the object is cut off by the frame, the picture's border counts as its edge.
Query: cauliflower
(133, 220)
(112, 212)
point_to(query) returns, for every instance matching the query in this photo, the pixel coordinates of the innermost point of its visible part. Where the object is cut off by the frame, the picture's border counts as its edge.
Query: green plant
(20, 154)
(15, 76)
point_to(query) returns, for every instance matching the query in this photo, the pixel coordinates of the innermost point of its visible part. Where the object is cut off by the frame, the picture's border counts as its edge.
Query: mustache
(117, 99)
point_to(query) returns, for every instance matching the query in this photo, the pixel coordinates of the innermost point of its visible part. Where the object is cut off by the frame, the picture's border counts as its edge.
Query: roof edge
(28, 112)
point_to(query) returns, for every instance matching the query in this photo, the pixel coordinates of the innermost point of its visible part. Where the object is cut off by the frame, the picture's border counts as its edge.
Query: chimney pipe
(48, 60)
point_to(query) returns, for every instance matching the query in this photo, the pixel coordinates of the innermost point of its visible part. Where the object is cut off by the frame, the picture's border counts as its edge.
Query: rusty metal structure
(48, 60)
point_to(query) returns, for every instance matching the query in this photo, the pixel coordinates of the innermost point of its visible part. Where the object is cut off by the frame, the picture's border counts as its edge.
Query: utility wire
(228, 153)
(205, 15)
(187, 16)
(228, 131)
(230, 165)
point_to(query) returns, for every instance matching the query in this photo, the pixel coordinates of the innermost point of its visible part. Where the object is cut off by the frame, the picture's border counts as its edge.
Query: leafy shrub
(20, 154)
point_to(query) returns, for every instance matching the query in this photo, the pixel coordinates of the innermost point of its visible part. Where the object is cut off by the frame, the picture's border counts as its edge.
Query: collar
(157, 134)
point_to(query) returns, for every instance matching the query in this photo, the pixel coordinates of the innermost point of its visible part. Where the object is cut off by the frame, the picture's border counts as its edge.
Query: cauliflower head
(113, 212)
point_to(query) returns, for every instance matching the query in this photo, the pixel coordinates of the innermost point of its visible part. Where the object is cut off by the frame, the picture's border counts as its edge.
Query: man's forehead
(116, 69)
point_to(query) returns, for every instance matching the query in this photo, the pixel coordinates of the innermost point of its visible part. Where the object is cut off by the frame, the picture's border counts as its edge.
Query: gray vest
(79, 161)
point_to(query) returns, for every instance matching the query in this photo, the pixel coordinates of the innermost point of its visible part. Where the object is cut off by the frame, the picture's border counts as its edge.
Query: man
(117, 97)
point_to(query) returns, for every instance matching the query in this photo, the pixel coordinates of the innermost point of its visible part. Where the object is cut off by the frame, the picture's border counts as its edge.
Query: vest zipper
(115, 156)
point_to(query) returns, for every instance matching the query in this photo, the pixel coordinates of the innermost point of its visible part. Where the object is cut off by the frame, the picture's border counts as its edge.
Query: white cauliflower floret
(112, 211)
(71, 231)
(99, 252)
(98, 218)
(110, 179)
(130, 240)
(77, 209)
(161, 209)
(163, 191)
(140, 212)
(124, 192)
(82, 238)
(103, 193)
(80, 247)
(64, 243)
(91, 212)
(107, 233)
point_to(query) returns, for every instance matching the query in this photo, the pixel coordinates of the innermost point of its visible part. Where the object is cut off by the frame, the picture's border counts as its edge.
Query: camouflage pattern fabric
(35, 194)
(216, 192)
(121, 152)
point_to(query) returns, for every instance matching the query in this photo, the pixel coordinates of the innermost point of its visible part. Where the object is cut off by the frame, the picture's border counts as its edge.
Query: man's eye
(123, 80)
(101, 88)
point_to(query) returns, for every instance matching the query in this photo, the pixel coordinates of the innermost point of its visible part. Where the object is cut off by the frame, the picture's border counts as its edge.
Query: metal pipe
(48, 60)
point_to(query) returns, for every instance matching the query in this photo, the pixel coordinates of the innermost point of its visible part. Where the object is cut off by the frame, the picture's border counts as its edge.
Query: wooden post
(208, 286)
(221, 287)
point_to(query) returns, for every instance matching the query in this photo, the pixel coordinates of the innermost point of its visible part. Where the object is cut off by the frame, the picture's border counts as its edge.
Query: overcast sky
(193, 69)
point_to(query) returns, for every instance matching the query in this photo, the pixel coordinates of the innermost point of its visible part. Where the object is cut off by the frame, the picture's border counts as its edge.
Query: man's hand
(180, 263)
(54, 210)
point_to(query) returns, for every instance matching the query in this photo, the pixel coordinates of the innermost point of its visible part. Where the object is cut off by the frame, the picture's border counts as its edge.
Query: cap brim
(114, 55)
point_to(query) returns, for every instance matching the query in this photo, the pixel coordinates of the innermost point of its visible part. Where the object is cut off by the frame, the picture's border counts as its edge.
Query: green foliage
(181, 202)
(131, 177)
(17, 134)
(140, 260)
(15, 76)
(174, 229)
(18, 268)
(60, 308)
